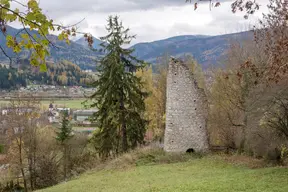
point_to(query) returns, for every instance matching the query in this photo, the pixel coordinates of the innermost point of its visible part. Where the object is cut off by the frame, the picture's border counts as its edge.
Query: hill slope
(198, 175)
(60, 73)
(96, 42)
(143, 50)
(207, 50)
(75, 53)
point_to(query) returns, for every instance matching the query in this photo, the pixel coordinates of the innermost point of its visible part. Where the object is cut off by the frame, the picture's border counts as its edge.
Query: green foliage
(284, 151)
(31, 17)
(65, 132)
(119, 97)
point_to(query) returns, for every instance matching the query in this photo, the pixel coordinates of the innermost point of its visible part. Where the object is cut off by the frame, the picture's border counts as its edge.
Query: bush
(47, 171)
(274, 156)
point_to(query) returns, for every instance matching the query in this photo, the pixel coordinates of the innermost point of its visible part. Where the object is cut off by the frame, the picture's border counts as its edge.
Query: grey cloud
(73, 11)
(150, 4)
(60, 8)
(105, 5)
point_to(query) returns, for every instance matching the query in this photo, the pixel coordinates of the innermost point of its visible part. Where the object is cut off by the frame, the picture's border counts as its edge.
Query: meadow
(207, 174)
(69, 103)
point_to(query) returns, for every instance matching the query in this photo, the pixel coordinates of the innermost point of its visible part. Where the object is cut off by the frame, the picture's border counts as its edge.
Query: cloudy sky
(150, 19)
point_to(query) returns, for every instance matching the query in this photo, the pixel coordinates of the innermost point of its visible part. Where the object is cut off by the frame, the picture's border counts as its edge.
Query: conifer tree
(63, 136)
(65, 132)
(119, 97)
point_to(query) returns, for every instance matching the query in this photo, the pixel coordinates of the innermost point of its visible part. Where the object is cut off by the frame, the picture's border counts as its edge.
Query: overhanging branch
(3, 51)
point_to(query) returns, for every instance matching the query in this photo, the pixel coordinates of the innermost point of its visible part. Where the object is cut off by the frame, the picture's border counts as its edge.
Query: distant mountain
(142, 49)
(207, 50)
(76, 53)
(96, 42)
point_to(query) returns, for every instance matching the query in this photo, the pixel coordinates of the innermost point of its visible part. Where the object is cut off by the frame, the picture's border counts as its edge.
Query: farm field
(72, 103)
(84, 129)
(200, 175)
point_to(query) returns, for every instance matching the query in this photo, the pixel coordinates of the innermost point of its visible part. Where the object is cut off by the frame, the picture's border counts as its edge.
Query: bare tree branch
(3, 51)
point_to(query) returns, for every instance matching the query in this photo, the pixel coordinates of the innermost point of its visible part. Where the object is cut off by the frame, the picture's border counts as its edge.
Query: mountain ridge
(60, 50)
(207, 50)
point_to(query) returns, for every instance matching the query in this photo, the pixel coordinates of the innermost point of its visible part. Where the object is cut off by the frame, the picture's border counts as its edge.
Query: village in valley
(54, 100)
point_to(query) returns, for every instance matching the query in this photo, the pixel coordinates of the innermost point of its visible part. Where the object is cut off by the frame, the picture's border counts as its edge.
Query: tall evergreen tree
(119, 96)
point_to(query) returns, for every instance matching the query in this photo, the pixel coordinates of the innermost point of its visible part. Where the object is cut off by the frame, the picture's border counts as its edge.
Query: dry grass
(2, 158)
(144, 156)
(242, 160)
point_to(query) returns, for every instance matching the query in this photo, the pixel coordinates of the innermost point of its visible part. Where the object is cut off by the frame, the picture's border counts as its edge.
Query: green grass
(73, 104)
(3, 102)
(208, 174)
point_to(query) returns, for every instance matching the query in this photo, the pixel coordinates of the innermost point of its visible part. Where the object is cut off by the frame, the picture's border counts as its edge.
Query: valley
(197, 104)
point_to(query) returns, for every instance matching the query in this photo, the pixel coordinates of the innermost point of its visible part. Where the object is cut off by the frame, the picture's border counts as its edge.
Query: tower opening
(190, 150)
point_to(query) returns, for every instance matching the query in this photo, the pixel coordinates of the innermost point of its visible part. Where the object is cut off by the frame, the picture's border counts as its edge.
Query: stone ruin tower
(186, 111)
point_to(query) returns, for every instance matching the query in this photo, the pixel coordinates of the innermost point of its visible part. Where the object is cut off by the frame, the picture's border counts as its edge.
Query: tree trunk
(21, 164)
(124, 135)
(31, 172)
(65, 162)
(244, 131)
(123, 126)
(244, 96)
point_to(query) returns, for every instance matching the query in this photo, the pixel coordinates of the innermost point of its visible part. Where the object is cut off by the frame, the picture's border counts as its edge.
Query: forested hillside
(60, 73)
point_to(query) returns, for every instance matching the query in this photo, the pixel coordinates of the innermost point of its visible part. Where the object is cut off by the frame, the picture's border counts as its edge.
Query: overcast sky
(150, 19)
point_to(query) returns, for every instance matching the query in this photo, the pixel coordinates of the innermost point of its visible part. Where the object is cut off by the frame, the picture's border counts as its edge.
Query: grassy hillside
(208, 174)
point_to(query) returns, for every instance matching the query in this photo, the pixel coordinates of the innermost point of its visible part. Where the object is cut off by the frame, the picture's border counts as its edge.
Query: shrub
(274, 156)
(47, 171)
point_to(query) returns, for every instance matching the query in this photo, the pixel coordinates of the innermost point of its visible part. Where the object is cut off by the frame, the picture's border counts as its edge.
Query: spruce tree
(65, 132)
(63, 136)
(119, 97)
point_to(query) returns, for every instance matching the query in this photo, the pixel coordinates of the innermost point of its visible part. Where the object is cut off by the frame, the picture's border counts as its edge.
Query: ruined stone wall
(186, 111)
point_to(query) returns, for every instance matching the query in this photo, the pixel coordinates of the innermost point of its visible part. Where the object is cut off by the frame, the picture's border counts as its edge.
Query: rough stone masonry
(186, 111)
